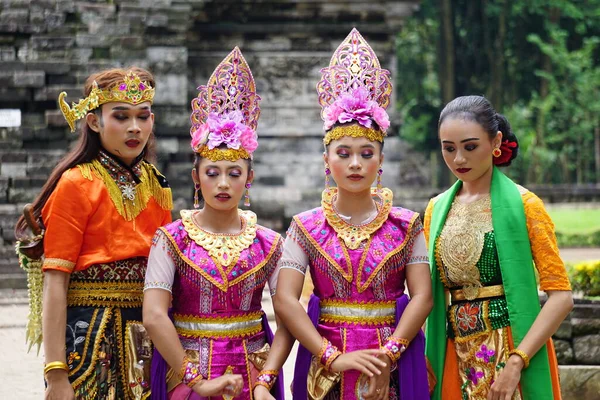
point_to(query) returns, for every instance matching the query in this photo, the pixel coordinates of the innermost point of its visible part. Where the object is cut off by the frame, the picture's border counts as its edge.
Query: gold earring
(327, 173)
(196, 200)
(247, 195)
(497, 152)
(379, 173)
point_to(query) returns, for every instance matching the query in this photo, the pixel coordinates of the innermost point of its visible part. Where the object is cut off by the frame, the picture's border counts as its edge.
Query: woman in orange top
(492, 341)
(100, 208)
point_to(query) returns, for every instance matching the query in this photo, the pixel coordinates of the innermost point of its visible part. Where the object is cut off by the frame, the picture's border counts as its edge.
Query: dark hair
(88, 146)
(478, 109)
(198, 158)
(375, 126)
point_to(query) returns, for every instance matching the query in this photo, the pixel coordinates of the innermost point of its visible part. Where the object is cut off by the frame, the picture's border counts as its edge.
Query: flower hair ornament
(225, 112)
(354, 88)
(503, 154)
(132, 90)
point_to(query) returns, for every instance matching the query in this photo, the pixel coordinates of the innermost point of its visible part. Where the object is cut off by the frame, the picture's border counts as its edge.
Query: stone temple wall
(49, 46)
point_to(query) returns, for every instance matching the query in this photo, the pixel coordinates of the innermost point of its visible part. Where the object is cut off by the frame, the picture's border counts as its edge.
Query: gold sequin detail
(353, 235)
(217, 154)
(356, 131)
(461, 243)
(224, 249)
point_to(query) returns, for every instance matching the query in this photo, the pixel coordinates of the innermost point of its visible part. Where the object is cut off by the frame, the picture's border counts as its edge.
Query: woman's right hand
(229, 384)
(59, 387)
(364, 361)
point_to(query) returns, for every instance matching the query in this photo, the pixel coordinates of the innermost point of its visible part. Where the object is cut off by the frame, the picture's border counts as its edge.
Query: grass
(576, 221)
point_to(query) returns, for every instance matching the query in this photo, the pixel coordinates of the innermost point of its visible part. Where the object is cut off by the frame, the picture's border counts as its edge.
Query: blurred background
(538, 61)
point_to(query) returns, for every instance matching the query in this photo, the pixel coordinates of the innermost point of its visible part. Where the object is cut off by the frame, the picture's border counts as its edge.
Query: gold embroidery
(57, 262)
(461, 243)
(99, 336)
(105, 294)
(148, 188)
(224, 249)
(87, 342)
(354, 235)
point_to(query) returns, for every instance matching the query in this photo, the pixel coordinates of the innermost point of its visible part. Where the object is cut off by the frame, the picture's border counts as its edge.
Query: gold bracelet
(55, 365)
(521, 354)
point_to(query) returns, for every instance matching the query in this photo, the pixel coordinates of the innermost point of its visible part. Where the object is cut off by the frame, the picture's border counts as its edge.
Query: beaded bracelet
(521, 354)
(394, 347)
(190, 374)
(266, 378)
(328, 353)
(55, 365)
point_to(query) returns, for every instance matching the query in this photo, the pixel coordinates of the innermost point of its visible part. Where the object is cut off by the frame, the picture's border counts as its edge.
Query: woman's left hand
(379, 385)
(262, 393)
(508, 380)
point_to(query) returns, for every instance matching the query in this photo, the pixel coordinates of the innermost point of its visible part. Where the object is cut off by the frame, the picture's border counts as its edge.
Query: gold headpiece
(132, 91)
(225, 112)
(354, 89)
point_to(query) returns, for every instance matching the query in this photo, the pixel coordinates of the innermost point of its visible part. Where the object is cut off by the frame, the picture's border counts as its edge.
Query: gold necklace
(223, 248)
(461, 242)
(354, 235)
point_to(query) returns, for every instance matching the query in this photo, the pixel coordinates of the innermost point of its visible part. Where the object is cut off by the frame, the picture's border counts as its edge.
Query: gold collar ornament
(223, 248)
(132, 90)
(354, 235)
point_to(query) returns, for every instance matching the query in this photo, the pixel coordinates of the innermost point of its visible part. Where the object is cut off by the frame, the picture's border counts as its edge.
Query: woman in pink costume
(211, 266)
(362, 336)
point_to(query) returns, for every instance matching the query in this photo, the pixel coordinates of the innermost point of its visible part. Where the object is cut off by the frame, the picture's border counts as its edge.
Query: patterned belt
(218, 327)
(483, 292)
(373, 313)
(124, 294)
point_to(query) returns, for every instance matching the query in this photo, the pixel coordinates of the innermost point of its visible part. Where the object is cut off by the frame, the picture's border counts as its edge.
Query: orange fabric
(550, 267)
(553, 365)
(84, 228)
(451, 380)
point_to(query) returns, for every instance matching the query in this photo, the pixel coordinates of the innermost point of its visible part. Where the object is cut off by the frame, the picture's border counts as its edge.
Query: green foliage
(585, 276)
(538, 61)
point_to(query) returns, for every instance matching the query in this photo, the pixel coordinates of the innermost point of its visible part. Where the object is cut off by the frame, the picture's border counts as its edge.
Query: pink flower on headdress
(200, 137)
(226, 129)
(248, 140)
(356, 106)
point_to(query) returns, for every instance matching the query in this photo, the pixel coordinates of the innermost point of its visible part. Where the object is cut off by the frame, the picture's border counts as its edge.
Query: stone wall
(577, 340)
(47, 46)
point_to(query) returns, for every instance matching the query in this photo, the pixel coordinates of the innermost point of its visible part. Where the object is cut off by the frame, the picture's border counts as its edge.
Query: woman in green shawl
(487, 337)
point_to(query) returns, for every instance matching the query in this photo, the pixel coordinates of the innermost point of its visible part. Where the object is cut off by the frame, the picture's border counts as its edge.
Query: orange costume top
(102, 212)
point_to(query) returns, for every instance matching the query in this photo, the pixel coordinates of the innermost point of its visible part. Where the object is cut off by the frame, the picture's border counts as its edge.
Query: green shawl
(516, 265)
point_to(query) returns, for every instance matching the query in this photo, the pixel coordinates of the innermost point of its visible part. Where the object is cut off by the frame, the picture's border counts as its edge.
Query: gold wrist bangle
(521, 354)
(55, 365)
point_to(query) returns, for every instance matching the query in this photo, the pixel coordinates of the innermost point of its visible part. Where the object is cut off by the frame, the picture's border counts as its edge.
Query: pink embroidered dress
(217, 282)
(358, 273)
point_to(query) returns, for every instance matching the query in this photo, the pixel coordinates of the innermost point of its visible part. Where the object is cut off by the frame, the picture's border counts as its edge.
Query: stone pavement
(21, 372)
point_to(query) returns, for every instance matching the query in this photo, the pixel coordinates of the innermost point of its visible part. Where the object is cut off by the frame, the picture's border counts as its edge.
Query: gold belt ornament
(123, 294)
(218, 327)
(482, 292)
(375, 313)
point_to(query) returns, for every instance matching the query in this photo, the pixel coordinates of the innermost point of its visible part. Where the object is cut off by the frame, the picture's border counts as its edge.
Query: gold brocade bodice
(461, 243)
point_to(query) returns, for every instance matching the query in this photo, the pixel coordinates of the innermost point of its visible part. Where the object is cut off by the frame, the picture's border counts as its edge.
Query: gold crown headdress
(354, 88)
(132, 90)
(226, 111)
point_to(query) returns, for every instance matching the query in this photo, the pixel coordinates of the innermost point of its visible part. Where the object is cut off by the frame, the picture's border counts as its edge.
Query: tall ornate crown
(354, 88)
(226, 112)
(132, 91)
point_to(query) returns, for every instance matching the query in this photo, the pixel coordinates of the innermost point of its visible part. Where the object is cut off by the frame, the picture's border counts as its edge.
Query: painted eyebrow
(462, 141)
(343, 146)
(229, 168)
(123, 108)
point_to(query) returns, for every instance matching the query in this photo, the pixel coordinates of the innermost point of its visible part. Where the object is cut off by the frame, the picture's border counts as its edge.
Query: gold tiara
(218, 154)
(353, 131)
(132, 90)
